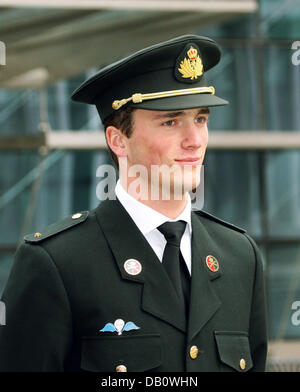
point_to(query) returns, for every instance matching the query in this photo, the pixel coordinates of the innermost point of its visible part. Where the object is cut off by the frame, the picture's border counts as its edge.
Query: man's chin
(179, 187)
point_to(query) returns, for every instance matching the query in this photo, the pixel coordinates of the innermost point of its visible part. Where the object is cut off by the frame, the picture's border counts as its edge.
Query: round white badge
(132, 267)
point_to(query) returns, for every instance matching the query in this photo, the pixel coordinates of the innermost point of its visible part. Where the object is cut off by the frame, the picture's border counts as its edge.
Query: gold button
(77, 216)
(37, 235)
(194, 352)
(242, 364)
(121, 368)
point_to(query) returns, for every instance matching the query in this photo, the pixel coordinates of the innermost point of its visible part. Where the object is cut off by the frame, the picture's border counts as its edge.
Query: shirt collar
(145, 217)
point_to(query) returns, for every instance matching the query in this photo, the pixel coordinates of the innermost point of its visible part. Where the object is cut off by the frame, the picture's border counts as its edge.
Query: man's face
(175, 139)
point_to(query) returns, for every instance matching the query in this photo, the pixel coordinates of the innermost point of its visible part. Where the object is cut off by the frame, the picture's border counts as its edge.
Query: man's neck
(171, 208)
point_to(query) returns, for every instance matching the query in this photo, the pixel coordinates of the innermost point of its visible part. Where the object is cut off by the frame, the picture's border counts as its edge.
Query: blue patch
(109, 327)
(129, 326)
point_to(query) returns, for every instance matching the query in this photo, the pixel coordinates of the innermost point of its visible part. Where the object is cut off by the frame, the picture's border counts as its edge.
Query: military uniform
(70, 281)
(74, 304)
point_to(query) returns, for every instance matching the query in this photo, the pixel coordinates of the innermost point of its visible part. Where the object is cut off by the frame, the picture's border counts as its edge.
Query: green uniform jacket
(68, 283)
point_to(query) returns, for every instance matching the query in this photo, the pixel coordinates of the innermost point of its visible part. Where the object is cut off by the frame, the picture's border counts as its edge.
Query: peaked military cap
(165, 76)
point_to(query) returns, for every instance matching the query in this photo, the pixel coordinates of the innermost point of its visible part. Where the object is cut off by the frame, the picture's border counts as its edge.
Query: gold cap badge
(190, 67)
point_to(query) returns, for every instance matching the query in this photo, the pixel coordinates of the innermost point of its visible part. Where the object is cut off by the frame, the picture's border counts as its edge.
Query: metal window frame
(95, 140)
(238, 6)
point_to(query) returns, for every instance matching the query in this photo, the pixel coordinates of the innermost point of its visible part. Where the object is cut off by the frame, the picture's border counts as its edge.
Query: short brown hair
(123, 120)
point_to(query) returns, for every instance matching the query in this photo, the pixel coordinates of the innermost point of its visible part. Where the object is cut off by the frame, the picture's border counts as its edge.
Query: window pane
(283, 283)
(232, 188)
(283, 193)
(6, 259)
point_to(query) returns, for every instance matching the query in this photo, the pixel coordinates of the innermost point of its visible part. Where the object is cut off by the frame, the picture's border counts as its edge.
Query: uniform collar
(146, 218)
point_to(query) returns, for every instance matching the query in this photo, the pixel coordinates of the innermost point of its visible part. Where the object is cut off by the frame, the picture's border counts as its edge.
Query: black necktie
(173, 260)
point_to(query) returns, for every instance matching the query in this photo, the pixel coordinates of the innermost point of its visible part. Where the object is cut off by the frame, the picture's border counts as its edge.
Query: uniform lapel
(204, 301)
(127, 242)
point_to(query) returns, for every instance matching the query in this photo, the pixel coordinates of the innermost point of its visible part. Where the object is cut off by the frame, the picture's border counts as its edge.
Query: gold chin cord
(138, 98)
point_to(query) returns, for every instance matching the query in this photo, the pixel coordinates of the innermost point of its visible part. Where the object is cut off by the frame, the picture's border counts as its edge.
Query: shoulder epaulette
(57, 227)
(217, 220)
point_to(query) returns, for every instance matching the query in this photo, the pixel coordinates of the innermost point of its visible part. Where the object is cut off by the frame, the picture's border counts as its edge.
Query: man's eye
(169, 123)
(201, 120)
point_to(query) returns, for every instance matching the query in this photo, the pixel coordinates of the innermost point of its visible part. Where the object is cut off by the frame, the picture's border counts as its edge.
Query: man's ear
(115, 140)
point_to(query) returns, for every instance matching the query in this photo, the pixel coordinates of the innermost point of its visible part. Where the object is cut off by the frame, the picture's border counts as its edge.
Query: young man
(142, 283)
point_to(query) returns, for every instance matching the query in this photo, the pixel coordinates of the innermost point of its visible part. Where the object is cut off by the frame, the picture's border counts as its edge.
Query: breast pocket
(136, 353)
(234, 350)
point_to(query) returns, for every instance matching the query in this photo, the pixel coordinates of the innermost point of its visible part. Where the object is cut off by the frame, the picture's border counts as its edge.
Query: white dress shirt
(147, 220)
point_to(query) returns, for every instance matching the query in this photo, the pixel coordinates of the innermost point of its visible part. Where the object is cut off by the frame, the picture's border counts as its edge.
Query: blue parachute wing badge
(109, 327)
(129, 326)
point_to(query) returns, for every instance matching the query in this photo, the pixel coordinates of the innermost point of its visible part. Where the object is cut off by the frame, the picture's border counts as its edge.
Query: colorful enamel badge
(190, 67)
(132, 267)
(212, 263)
(119, 326)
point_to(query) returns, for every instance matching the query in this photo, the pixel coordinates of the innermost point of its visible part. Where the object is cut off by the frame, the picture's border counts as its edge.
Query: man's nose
(194, 136)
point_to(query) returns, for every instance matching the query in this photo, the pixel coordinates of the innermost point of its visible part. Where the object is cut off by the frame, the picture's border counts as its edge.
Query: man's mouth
(192, 161)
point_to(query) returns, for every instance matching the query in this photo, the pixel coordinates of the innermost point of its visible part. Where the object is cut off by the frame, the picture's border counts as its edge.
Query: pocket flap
(234, 349)
(138, 353)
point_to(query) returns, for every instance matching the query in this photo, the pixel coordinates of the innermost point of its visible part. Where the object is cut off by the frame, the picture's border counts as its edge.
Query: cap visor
(181, 102)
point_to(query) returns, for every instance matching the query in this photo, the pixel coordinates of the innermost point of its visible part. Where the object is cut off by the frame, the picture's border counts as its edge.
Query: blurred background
(50, 147)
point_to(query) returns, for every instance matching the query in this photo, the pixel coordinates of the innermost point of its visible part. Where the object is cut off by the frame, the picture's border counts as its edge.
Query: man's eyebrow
(204, 111)
(173, 114)
(168, 115)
